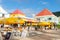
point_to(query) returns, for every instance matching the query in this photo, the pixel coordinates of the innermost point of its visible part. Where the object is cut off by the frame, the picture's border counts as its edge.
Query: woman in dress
(24, 32)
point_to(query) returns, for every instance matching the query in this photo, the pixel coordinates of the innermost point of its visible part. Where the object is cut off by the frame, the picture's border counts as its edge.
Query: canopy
(1, 21)
(34, 23)
(44, 23)
(12, 20)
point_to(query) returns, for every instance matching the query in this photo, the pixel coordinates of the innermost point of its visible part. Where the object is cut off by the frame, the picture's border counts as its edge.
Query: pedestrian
(24, 32)
(20, 29)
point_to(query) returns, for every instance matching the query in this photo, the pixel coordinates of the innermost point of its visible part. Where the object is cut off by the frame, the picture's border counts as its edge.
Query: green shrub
(58, 26)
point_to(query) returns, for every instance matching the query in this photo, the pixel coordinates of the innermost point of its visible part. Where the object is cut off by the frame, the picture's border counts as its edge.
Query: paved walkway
(26, 39)
(46, 35)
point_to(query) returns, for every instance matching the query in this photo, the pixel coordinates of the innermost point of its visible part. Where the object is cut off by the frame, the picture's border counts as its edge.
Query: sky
(30, 7)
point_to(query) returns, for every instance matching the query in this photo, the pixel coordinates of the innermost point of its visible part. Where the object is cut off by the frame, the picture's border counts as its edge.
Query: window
(38, 18)
(49, 18)
(3, 15)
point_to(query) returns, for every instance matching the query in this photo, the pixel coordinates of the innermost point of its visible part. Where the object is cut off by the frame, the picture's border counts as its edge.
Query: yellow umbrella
(13, 20)
(34, 23)
(28, 24)
(44, 23)
(1, 21)
(21, 21)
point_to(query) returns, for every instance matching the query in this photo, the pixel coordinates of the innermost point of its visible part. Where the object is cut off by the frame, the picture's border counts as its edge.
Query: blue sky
(30, 7)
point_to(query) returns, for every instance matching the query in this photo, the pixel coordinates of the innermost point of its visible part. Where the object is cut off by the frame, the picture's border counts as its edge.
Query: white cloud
(29, 12)
(43, 2)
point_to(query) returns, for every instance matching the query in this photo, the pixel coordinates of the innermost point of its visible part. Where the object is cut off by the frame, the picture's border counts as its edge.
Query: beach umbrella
(44, 23)
(10, 20)
(13, 20)
(21, 21)
(1, 21)
(34, 23)
(7, 20)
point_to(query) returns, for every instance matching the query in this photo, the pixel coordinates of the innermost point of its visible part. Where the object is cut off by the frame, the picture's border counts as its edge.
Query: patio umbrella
(34, 22)
(13, 21)
(1, 21)
(21, 21)
(44, 23)
(10, 20)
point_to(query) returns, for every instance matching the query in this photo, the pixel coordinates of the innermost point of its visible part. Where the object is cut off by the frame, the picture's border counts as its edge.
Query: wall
(46, 18)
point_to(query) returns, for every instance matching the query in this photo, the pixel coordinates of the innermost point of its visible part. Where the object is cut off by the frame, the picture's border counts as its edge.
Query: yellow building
(17, 13)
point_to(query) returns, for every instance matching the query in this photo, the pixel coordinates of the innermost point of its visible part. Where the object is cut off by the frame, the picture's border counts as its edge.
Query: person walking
(24, 32)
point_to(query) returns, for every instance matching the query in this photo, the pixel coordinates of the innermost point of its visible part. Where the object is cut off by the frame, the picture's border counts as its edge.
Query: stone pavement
(23, 39)
(26, 39)
(47, 35)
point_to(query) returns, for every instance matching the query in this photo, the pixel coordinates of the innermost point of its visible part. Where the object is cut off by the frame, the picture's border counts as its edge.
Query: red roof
(17, 12)
(45, 12)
